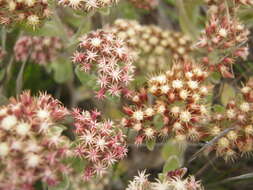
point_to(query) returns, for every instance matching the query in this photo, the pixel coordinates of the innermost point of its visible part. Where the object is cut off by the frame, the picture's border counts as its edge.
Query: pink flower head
(32, 145)
(40, 50)
(100, 143)
(103, 53)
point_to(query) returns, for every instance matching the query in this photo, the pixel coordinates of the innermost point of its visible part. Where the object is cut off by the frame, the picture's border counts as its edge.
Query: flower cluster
(87, 5)
(127, 30)
(145, 4)
(2, 54)
(177, 104)
(111, 60)
(100, 143)
(224, 38)
(155, 45)
(238, 116)
(40, 50)
(22, 11)
(173, 181)
(32, 146)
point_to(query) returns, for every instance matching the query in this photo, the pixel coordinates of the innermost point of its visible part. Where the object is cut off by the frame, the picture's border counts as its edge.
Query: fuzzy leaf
(228, 93)
(63, 71)
(151, 144)
(170, 149)
(218, 108)
(173, 154)
(161, 176)
(188, 13)
(48, 29)
(172, 163)
(158, 121)
(56, 130)
(215, 77)
(86, 79)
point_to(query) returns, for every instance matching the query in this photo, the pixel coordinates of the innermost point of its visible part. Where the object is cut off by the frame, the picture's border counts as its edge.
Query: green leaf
(77, 164)
(188, 14)
(161, 176)
(56, 130)
(35, 73)
(48, 29)
(228, 93)
(86, 79)
(170, 149)
(151, 144)
(215, 77)
(172, 163)
(173, 155)
(158, 121)
(105, 11)
(127, 10)
(77, 19)
(2, 73)
(170, 2)
(63, 70)
(218, 108)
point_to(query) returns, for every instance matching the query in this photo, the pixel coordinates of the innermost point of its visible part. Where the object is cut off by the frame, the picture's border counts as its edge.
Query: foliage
(137, 86)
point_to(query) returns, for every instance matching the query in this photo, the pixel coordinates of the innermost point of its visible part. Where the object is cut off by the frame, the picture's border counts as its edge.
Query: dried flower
(32, 146)
(31, 13)
(107, 56)
(238, 141)
(154, 45)
(224, 38)
(100, 143)
(178, 105)
(40, 50)
(87, 5)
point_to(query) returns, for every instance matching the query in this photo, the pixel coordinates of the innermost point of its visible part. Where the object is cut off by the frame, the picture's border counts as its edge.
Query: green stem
(19, 81)
(210, 143)
(83, 28)
(64, 35)
(191, 29)
(4, 35)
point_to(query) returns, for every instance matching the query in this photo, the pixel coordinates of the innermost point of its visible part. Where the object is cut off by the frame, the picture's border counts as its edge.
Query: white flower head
(138, 115)
(8, 122)
(185, 116)
(245, 107)
(23, 128)
(177, 84)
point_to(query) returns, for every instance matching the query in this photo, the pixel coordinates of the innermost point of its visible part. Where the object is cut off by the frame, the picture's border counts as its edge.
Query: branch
(210, 143)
